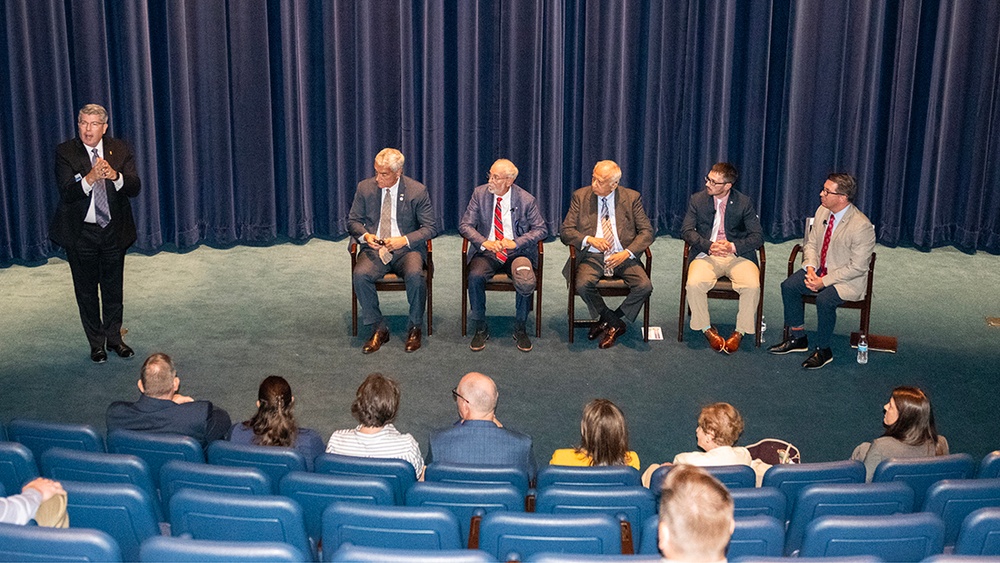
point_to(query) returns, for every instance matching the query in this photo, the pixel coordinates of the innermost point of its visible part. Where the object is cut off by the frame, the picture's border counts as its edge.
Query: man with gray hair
(478, 438)
(392, 218)
(503, 225)
(696, 516)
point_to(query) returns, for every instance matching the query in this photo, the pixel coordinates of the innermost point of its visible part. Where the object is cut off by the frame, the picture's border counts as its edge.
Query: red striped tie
(498, 230)
(826, 245)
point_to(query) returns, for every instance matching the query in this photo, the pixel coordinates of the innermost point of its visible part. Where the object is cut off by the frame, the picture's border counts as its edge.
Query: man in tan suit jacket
(834, 267)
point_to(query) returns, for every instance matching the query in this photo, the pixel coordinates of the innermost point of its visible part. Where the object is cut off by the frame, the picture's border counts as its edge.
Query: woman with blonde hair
(909, 431)
(603, 438)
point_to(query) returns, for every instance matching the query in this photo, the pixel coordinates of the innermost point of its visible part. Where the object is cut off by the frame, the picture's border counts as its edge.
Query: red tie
(498, 230)
(826, 245)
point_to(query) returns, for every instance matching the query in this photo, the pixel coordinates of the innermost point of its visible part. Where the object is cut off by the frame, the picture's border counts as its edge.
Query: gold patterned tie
(385, 225)
(608, 233)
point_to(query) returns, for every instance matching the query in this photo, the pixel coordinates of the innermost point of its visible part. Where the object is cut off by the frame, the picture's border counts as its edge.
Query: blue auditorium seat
(39, 436)
(362, 554)
(587, 476)
(922, 472)
(397, 527)
(635, 504)
(895, 537)
(792, 477)
(177, 475)
(732, 476)
(478, 474)
(580, 558)
(954, 499)
(155, 449)
(316, 491)
(989, 467)
(96, 467)
(980, 533)
(35, 543)
(757, 536)
(17, 466)
(124, 512)
(507, 535)
(274, 461)
(765, 501)
(468, 502)
(164, 549)
(398, 472)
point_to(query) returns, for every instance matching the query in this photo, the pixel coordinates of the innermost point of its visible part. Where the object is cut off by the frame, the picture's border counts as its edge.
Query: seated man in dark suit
(478, 438)
(162, 409)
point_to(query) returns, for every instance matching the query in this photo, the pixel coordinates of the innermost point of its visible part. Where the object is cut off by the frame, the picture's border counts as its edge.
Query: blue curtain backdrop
(253, 120)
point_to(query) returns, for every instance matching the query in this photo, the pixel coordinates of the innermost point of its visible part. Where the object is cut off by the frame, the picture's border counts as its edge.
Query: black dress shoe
(98, 355)
(479, 339)
(522, 340)
(379, 337)
(612, 335)
(598, 330)
(791, 345)
(122, 350)
(818, 359)
(413, 340)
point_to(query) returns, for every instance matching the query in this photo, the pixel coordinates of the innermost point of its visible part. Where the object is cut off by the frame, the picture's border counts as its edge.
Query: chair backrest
(636, 504)
(35, 543)
(478, 475)
(922, 472)
(466, 501)
(954, 499)
(398, 527)
(125, 512)
(765, 501)
(844, 499)
(582, 558)
(980, 533)
(39, 436)
(207, 515)
(165, 549)
(96, 467)
(398, 472)
(359, 553)
(177, 475)
(274, 461)
(895, 537)
(650, 544)
(732, 476)
(511, 535)
(756, 536)
(316, 491)
(588, 476)
(989, 467)
(17, 466)
(773, 451)
(792, 477)
(155, 449)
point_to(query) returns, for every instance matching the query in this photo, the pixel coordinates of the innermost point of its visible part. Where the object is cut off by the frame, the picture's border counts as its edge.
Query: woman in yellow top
(603, 439)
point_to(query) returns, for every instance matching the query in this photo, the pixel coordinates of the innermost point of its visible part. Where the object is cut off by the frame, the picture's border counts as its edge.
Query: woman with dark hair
(909, 431)
(274, 423)
(603, 438)
(375, 406)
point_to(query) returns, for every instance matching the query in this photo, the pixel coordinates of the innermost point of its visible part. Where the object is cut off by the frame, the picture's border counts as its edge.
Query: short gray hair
(392, 158)
(93, 109)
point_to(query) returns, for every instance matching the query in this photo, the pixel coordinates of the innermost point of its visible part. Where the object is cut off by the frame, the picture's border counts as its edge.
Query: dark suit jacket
(529, 227)
(634, 229)
(481, 442)
(198, 419)
(73, 159)
(741, 223)
(414, 214)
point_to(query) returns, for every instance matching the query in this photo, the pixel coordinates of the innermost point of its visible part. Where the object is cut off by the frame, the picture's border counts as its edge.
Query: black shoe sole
(819, 366)
(788, 351)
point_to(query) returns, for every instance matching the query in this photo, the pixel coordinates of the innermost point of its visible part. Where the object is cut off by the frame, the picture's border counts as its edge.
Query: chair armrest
(791, 258)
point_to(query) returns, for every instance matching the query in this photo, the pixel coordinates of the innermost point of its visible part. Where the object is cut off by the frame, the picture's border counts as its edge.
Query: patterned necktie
(385, 225)
(100, 191)
(721, 233)
(608, 233)
(826, 245)
(498, 230)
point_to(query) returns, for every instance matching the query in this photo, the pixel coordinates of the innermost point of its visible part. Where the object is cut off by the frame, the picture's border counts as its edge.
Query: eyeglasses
(456, 396)
(89, 124)
(824, 191)
(713, 182)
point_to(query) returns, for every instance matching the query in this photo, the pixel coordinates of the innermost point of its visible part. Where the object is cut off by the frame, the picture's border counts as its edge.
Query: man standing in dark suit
(393, 219)
(96, 177)
(610, 226)
(161, 409)
(503, 225)
(722, 226)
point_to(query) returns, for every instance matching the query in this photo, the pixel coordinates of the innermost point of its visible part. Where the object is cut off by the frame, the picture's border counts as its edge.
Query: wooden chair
(608, 287)
(501, 282)
(723, 290)
(392, 282)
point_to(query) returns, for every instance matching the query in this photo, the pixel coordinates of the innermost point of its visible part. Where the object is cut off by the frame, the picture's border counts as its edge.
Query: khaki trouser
(702, 275)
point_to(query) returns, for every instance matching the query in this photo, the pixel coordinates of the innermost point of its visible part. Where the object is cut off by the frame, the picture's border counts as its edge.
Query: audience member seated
(478, 438)
(162, 409)
(274, 422)
(719, 427)
(696, 516)
(603, 439)
(909, 431)
(375, 407)
(19, 509)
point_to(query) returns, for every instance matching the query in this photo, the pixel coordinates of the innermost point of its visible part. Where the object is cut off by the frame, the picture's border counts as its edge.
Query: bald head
(480, 394)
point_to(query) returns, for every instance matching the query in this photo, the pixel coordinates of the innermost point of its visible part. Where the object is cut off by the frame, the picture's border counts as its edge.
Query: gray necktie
(100, 190)
(385, 225)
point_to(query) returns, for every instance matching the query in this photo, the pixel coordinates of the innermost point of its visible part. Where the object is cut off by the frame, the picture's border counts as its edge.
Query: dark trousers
(482, 267)
(591, 270)
(407, 264)
(827, 301)
(98, 268)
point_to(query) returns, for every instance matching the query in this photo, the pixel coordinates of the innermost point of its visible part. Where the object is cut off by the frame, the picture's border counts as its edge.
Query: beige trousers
(702, 275)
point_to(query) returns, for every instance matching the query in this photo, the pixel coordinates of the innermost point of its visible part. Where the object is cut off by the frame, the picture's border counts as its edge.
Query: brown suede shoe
(413, 340)
(733, 342)
(714, 340)
(379, 337)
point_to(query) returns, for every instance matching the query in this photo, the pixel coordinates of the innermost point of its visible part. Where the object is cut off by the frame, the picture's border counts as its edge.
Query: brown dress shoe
(379, 337)
(714, 340)
(733, 342)
(611, 336)
(413, 340)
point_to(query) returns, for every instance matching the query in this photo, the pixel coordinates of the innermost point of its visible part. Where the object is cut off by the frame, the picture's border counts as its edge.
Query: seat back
(790, 478)
(581, 558)
(155, 449)
(398, 527)
(468, 502)
(587, 476)
(509, 535)
(35, 543)
(17, 466)
(398, 472)
(989, 467)
(765, 501)
(980, 533)
(125, 512)
(895, 537)
(954, 499)
(316, 491)
(844, 499)
(39, 436)
(732, 476)
(922, 472)
(357, 553)
(756, 536)
(95, 467)
(635, 504)
(275, 462)
(165, 549)
(465, 474)
(207, 515)
(177, 475)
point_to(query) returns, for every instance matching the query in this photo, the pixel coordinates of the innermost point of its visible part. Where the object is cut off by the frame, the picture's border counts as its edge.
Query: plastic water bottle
(763, 327)
(863, 349)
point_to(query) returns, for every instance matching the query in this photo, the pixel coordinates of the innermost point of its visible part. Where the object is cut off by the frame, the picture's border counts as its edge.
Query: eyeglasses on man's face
(825, 191)
(713, 182)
